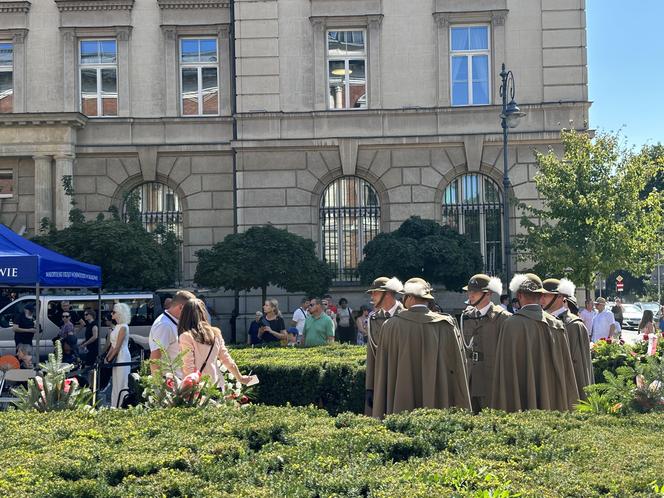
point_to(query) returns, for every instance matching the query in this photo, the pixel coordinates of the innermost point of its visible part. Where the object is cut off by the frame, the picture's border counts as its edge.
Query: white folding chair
(13, 376)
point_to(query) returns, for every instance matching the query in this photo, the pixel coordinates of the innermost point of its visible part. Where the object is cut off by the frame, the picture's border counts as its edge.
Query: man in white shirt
(588, 314)
(164, 330)
(299, 317)
(604, 325)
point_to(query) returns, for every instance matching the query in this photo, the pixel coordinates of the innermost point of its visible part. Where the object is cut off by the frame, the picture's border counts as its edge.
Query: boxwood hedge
(264, 451)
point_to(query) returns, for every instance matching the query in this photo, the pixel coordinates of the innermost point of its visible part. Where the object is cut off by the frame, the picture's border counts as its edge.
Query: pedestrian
(91, 342)
(587, 314)
(345, 323)
(119, 353)
(254, 326)
(516, 305)
(383, 294)
(362, 325)
(67, 327)
(618, 310)
(318, 327)
(164, 330)
(24, 326)
(661, 319)
(604, 323)
(480, 326)
(556, 301)
(505, 302)
(419, 360)
(533, 364)
(299, 316)
(273, 329)
(328, 306)
(647, 324)
(203, 345)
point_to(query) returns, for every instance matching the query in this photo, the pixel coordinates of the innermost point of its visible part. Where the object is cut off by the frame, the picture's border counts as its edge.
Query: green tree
(260, 257)
(422, 248)
(597, 216)
(129, 256)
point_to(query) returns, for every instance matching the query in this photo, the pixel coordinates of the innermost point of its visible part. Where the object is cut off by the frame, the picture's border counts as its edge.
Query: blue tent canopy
(24, 263)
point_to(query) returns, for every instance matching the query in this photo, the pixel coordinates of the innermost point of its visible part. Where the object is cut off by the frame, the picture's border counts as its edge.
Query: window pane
(90, 52)
(480, 79)
(471, 193)
(358, 84)
(89, 92)
(6, 54)
(460, 39)
(108, 51)
(355, 42)
(6, 182)
(189, 91)
(189, 50)
(208, 51)
(109, 88)
(334, 43)
(337, 72)
(459, 80)
(210, 91)
(479, 38)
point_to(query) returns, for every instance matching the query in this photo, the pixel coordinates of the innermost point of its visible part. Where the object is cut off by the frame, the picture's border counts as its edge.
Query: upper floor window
(199, 78)
(99, 77)
(6, 183)
(349, 218)
(347, 69)
(472, 205)
(6, 77)
(469, 60)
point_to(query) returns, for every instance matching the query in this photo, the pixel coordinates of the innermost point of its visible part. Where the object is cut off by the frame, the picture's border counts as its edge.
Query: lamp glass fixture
(513, 115)
(341, 72)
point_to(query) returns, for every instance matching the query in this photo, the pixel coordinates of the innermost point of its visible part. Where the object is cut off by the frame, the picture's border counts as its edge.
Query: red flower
(170, 384)
(67, 385)
(244, 400)
(645, 337)
(609, 340)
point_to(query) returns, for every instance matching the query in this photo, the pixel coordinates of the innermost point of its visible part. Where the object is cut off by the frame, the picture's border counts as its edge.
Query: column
(70, 83)
(43, 189)
(374, 72)
(19, 71)
(320, 71)
(123, 34)
(442, 58)
(171, 75)
(64, 167)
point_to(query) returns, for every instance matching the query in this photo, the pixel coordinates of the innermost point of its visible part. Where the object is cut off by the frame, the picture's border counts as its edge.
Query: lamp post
(509, 118)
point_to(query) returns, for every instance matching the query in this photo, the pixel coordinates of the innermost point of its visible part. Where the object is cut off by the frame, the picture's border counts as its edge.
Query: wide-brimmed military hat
(484, 283)
(385, 284)
(418, 287)
(527, 282)
(563, 286)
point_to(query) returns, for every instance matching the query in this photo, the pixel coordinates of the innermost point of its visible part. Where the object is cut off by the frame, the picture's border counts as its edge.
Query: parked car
(654, 307)
(145, 307)
(632, 315)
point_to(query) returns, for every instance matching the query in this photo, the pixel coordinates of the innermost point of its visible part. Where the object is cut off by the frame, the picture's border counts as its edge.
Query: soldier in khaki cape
(384, 299)
(556, 302)
(480, 325)
(419, 360)
(533, 364)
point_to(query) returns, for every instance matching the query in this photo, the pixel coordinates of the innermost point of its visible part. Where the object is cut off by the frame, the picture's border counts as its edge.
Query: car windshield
(631, 308)
(654, 307)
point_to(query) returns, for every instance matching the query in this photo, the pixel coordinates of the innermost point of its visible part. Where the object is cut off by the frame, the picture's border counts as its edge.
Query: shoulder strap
(208, 356)
(171, 318)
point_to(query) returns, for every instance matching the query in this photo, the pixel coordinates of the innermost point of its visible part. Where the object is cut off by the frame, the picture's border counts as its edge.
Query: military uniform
(533, 364)
(480, 336)
(579, 348)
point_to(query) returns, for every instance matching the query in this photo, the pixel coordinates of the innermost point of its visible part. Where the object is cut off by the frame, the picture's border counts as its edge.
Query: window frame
(482, 206)
(199, 66)
(468, 55)
(346, 60)
(98, 68)
(10, 69)
(13, 172)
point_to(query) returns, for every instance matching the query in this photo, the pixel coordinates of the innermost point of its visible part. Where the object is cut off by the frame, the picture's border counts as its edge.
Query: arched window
(158, 204)
(472, 205)
(349, 218)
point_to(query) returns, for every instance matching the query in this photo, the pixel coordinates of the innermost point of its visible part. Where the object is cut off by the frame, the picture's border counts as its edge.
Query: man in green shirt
(318, 327)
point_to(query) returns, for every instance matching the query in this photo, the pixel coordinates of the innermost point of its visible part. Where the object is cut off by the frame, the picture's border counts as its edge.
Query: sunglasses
(311, 305)
(65, 316)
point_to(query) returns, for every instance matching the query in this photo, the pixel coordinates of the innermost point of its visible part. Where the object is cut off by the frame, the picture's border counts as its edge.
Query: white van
(144, 306)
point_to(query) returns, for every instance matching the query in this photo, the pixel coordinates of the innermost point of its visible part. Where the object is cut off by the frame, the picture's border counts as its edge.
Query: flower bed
(303, 452)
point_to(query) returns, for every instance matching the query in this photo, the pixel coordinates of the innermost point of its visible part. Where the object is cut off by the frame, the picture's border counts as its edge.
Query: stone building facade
(401, 98)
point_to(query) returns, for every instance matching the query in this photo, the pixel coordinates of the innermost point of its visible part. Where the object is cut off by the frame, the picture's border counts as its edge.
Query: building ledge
(71, 119)
(9, 7)
(193, 4)
(84, 5)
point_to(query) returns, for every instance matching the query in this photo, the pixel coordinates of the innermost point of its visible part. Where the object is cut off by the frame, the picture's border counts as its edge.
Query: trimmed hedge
(303, 452)
(330, 377)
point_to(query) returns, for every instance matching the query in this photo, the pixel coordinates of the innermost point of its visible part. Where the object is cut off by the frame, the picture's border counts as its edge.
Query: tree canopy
(601, 212)
(263, 256)
(422, 248)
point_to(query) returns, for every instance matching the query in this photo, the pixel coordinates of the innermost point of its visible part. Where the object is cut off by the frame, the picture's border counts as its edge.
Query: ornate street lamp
(509, 118)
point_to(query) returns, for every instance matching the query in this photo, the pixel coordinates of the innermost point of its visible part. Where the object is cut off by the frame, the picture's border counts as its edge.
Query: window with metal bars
(472, 205)
(349, 218)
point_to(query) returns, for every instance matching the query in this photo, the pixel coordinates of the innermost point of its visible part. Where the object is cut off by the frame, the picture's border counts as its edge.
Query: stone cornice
(193, 4)
(87, 5)
(71, 119)
(14, 7)
(444, 19)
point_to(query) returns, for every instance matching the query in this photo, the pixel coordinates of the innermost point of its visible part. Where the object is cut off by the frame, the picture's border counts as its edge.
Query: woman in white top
(119, 353)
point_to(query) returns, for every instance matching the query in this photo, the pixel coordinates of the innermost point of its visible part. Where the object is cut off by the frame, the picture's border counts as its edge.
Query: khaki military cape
(481, 335)
(533, 364)
(579, 348)
(375, 325)
(419, 363)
